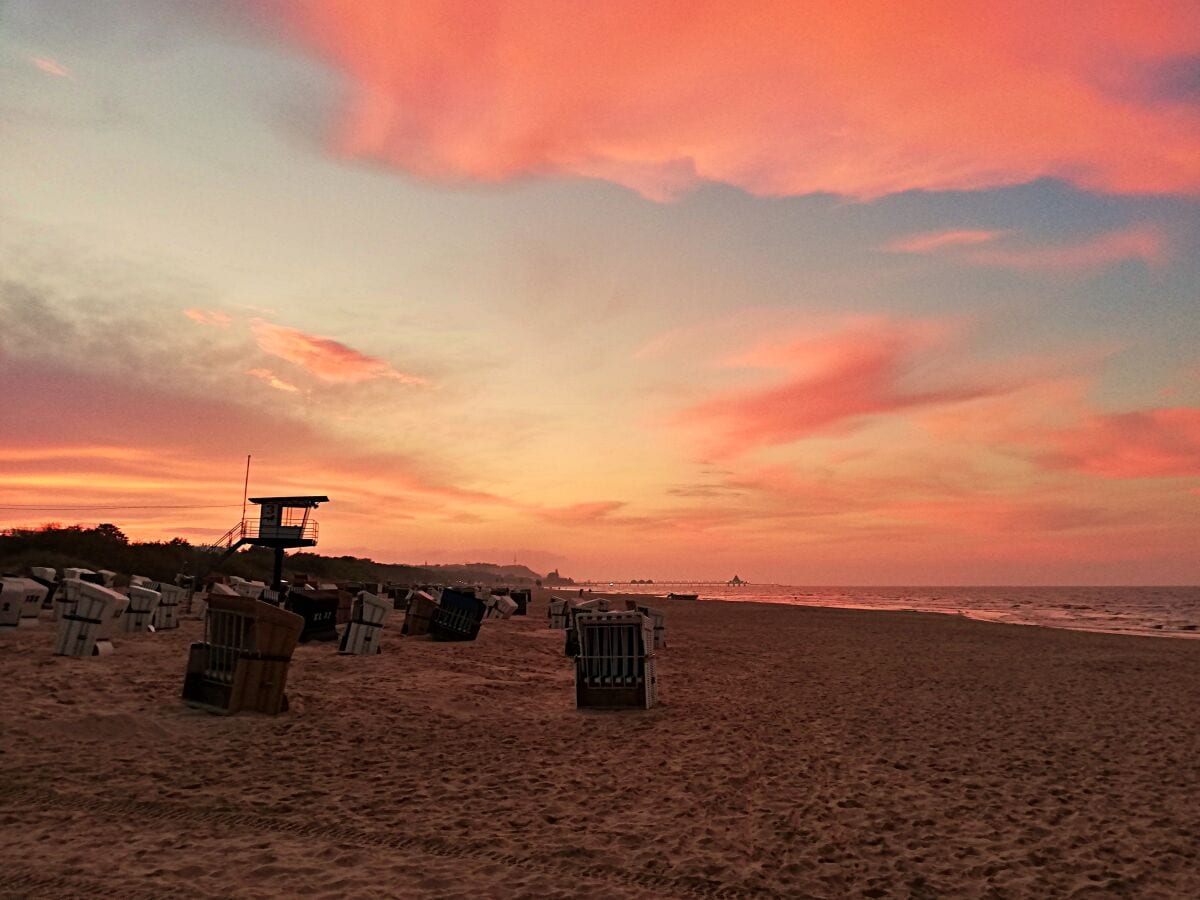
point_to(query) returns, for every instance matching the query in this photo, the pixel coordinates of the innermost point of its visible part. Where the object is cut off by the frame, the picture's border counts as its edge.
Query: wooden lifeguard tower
(283, 523)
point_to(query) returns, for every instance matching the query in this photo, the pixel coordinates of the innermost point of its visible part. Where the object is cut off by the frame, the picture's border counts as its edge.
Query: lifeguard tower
(283, 523)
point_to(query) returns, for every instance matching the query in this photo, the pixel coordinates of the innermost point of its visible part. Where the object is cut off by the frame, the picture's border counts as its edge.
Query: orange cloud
(324, 357)
(928, 241)
(273, 380)
(1153, 443)
(581, 513)
(837, 380)
(858, 99)
(208, 317)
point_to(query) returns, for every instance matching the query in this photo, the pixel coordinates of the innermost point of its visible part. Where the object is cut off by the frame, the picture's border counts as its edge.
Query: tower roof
(291, 501)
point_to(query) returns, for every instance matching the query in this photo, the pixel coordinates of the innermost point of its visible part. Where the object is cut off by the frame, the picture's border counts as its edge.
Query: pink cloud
(780, 98)
(928, 241)
(273, 380)
(51, 67)
(837, 380)
(324, 357)
(1153, 443)
(1142, 242)
(208, 317)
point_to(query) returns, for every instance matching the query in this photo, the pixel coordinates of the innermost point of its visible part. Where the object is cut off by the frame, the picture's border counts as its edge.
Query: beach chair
(139, 614)
(657, 617)
(457, 617)
(367, 615)
(252, 589)
(557, 612)
(20, 601)
(503, 607)
(616, 666)
(319, 609)
(67, 597)
(108, 576)
(86, 630)
(421, 607)
(166, 613)
(242, 664)
(47, 578)
(522, 599)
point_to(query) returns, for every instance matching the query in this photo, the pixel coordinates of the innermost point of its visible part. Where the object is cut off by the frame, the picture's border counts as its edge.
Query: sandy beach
(797, 752)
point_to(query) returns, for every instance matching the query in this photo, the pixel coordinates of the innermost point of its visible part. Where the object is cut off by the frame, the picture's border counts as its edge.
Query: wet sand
(798, 752)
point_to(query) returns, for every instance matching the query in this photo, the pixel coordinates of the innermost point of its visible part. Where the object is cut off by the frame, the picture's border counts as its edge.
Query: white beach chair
(109, 576)
(15, 598)
(363, 631)
(252, 590)
(66, 597)
(615, 666)
(139, 614)
(504, 607)
(557, 611)
(87, 629)
(141, 581)
(166, 613)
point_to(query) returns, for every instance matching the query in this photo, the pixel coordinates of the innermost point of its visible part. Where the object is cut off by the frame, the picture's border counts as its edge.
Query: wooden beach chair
(86, 630)
(166, 613)
(362, 633)
(139, 614)
(616, 666)
(242, 663)
(457, 617)
(421, 607)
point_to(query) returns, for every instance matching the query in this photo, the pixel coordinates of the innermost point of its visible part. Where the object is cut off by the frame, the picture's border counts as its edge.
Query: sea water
(1173, 611)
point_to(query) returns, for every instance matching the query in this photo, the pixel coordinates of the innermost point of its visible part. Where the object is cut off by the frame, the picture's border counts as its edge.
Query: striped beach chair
(616, 665)
(86, 630)
(139, 614)
(242, 664)
(362, 633)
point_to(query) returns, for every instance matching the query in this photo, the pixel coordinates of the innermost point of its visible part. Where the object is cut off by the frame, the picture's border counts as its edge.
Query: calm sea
(1172, 611)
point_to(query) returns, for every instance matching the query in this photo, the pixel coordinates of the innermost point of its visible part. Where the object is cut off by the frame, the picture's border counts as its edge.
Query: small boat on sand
(674, 596)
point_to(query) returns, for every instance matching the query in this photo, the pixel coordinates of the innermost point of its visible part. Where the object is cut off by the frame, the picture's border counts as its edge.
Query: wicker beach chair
(243, 662)
(166, 613)
(367, 615)
(557, 612)
(657, 616)
(421, 607)
(139, 614)
(457, 617)
(319, 609)
(522, 598)
(503, 607)
(47, 578)
(86, 630)
(616, 665)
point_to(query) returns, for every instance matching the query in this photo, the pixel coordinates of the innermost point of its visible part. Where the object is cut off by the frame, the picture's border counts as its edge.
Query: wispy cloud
(929, 241)
(208, 317)
(1142, 242)
(273, 380)
(51, 67)
(324, 358)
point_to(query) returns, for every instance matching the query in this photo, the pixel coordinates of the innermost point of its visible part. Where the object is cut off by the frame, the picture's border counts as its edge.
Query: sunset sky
(864, 293)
